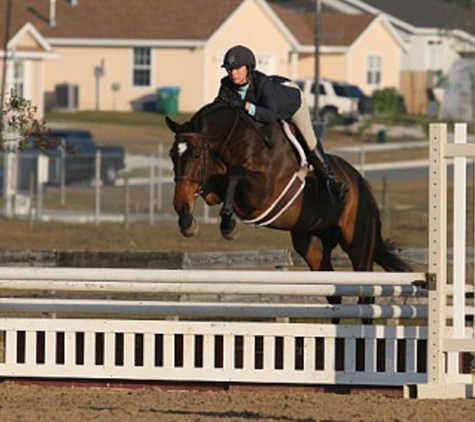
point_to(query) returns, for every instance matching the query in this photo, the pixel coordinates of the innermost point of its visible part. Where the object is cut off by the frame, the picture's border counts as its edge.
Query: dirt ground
(25, 403)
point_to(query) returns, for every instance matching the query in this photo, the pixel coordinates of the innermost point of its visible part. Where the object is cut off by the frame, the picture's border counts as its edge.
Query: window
(266, 64)
(142, 66)
(373, 70)
(18, 77)
(435, 54)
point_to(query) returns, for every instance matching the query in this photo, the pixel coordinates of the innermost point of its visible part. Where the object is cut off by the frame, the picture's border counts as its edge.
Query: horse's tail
(385, 253)
(386, 256)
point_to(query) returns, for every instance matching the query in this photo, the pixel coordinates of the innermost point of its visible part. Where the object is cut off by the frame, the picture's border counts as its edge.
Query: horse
(228, 158)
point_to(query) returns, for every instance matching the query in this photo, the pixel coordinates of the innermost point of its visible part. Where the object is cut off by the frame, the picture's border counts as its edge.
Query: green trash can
(167, 100)
(382, 136)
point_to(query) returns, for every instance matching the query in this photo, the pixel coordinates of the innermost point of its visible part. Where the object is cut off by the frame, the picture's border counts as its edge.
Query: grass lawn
(139, 132)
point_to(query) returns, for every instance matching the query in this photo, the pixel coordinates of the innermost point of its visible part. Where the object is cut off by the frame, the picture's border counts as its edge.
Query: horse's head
(190, 154)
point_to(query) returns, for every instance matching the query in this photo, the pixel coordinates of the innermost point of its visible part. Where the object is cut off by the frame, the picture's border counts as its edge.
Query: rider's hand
(237, 103)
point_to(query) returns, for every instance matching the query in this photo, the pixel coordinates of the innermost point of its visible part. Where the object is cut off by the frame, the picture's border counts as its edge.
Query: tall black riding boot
(319, 160)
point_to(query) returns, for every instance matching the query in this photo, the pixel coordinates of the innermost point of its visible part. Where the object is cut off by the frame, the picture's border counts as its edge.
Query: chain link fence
(42, 188)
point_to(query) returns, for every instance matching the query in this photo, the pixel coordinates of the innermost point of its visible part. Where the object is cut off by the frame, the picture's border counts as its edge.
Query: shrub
(388, 101)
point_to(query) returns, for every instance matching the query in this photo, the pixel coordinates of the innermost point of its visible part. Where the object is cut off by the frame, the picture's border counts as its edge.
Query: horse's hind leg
(317, 254)
(361, 253)
(310, 249)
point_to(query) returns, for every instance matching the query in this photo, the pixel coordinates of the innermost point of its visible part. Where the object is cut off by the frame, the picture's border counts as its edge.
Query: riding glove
(237, 103)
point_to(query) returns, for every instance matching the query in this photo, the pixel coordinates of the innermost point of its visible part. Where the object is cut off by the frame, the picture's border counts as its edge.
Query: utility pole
(318, 11)
(8, 16)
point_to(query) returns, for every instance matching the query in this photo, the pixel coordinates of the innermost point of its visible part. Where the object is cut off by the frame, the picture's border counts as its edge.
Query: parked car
(78, 150)
(334, 99)
(365, 103)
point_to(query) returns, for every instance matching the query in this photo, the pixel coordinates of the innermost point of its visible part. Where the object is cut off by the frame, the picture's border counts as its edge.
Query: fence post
(151, 206)
(362, 159)
(31, 192)
(62, 173)
(159, 201)
(41, 177)
(126, 201)
(97, 208)
(386, 206)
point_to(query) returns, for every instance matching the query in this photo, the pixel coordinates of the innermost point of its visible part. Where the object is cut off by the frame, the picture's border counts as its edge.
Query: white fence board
(172, 368)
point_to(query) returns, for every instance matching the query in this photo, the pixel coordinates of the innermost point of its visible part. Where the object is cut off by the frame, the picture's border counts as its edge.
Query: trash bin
(167, 100)
(382, 136)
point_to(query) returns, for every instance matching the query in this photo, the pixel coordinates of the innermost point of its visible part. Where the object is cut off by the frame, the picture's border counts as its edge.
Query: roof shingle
(122, 19)
(337, 29)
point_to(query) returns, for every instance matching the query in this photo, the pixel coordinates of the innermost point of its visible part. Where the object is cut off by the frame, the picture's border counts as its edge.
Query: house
(363, 50)
(435, 34)
(115, 54)
(27, 52)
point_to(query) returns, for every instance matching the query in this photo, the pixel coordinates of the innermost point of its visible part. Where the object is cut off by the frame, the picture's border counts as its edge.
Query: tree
(19, 118)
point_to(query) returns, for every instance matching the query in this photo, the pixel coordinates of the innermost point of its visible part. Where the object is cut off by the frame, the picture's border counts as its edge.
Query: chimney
(73, 2)
(52, 12)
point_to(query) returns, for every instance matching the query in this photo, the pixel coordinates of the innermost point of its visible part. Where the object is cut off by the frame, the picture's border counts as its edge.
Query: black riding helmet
(238, 56)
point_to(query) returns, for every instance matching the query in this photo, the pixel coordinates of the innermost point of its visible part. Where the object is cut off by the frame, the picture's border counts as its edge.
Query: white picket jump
(313, 353)
(213, 351)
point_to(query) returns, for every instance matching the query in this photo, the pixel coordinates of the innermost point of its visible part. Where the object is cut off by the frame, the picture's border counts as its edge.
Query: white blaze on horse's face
(182, 147)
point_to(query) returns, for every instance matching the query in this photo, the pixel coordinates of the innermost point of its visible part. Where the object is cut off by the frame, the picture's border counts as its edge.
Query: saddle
(292, 138)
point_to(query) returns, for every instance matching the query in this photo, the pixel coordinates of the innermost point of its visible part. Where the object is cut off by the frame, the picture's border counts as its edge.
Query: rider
(268, 99)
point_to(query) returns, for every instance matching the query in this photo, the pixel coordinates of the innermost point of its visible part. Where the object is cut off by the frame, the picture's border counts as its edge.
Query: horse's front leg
(228, 224)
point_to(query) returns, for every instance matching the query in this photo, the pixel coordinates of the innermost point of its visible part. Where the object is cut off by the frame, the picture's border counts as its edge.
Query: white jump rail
(214, 276)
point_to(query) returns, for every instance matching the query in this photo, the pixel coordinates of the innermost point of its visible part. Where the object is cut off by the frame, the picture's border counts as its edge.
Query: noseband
(202, 181)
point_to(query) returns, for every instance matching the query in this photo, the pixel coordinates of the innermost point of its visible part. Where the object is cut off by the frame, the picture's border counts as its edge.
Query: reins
(202, 180)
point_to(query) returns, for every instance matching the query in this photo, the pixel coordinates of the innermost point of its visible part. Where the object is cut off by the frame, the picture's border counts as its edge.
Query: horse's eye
(196, 153)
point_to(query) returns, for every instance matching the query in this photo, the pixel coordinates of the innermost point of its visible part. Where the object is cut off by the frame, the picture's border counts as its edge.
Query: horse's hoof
(229, 230)
(191, 230)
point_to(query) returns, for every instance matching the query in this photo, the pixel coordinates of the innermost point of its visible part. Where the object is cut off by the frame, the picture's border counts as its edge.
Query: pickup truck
(78, 150)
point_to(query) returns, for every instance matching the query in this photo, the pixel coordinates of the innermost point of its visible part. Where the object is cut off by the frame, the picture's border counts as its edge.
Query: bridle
(203, 180)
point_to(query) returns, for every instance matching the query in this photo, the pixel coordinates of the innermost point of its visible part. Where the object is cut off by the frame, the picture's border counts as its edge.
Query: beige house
(363, 50)
(115, 54)
(25, 70)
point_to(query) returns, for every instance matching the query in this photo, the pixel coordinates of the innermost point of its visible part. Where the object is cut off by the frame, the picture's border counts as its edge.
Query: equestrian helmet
(238, 56)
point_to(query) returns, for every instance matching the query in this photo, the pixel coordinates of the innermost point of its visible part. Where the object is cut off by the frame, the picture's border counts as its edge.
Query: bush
(388, 101)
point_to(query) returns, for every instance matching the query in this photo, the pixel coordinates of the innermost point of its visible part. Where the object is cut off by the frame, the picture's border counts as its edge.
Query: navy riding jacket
(273, 100)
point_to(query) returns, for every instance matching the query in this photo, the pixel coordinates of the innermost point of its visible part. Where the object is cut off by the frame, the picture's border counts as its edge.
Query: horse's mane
(197, 119)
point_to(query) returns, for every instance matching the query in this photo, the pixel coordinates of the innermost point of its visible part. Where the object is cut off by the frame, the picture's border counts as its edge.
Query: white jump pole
(213, 288)
(159, 309)
(213, 276)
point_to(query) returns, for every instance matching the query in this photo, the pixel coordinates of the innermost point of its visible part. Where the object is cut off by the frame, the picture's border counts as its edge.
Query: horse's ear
(172, 125)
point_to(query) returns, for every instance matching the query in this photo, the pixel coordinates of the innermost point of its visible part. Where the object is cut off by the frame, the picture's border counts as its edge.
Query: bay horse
(225, 157)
